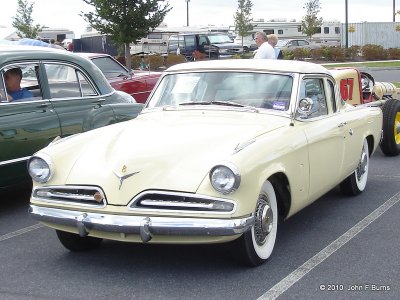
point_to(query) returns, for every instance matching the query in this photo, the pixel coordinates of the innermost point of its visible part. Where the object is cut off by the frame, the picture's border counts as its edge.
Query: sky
(65, 13)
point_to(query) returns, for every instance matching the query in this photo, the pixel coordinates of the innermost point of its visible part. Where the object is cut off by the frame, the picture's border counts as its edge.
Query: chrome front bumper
(147, 227)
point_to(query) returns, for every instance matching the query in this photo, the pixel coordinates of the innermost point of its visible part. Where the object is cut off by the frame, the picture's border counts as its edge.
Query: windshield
(259, 90)
(219, 39)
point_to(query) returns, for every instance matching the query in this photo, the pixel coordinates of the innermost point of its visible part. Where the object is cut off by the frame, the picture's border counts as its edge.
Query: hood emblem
(125, 176)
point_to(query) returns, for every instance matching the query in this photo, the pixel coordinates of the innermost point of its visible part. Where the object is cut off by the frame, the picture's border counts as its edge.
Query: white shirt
(265, 51)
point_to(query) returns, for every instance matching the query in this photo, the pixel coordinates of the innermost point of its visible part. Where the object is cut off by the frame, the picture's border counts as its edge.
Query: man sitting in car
(12, 78)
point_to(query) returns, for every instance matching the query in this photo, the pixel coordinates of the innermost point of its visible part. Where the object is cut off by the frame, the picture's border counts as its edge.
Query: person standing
(265, 50)
(273, 40)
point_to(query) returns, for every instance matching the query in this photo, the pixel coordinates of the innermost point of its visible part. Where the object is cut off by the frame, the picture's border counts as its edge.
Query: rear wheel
(390, 144)
(357, 181)
(74, 242)
(256, 245)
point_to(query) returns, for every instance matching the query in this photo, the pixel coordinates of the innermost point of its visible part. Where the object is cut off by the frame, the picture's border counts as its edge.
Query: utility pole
(347, 23)
(187, 12)
(394, 10)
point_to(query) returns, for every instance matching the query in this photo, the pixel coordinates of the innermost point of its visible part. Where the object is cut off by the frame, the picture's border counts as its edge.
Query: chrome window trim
(75, 67)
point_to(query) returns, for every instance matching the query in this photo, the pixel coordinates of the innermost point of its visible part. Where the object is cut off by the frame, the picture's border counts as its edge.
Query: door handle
(99, 102)
(43, 106)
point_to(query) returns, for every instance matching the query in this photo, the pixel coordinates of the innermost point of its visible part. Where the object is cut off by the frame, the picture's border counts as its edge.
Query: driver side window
(20, 83)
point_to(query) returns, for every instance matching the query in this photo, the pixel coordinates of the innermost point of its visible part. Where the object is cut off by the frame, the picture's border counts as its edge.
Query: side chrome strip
(13, 161)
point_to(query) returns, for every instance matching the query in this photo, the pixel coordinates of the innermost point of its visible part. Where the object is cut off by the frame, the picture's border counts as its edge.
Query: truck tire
(390, 144)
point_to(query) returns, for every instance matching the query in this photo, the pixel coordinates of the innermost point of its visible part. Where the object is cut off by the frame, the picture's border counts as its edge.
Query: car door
(325, 137)
(26, 125)
(75, 97)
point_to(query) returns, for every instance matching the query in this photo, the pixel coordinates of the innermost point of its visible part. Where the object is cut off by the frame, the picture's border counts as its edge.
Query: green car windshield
(259, 90)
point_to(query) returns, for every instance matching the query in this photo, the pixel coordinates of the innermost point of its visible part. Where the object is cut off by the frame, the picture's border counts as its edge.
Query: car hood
(227, 45)
(163, 150)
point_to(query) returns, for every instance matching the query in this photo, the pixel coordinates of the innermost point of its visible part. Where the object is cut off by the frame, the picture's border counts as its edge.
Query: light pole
(394, 10)
(187, 12)
(347, 24)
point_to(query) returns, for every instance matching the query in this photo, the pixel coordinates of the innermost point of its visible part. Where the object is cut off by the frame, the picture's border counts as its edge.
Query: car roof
(271, 65)
(91, 54)
(24, 51)
(202, 33)
(20, 53)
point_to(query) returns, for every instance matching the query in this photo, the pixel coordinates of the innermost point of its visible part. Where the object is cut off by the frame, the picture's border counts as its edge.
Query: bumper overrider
(146, 227)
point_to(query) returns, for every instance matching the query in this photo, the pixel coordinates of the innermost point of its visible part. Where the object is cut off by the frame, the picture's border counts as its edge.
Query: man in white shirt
(265, 50)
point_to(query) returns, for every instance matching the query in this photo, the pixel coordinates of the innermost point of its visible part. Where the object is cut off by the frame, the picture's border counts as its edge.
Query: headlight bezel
(46, 162)
(229, 169)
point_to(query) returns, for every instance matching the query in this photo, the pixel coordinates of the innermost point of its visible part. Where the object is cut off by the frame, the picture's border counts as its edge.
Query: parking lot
(337, 248)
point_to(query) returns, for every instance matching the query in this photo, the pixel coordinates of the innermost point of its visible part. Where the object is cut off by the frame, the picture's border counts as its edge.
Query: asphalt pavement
(337, 248)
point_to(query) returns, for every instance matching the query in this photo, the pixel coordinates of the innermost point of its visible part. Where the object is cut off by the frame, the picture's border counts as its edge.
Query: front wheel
(390, 144)
(357, 181)
(74, 242)
(256, 245)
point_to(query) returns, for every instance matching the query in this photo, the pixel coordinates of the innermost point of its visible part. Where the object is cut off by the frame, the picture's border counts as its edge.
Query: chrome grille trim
(174, 203)
(168, 201)
(70, 194)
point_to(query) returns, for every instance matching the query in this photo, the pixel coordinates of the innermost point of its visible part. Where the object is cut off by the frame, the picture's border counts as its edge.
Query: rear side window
(190, 41)
(67, 82)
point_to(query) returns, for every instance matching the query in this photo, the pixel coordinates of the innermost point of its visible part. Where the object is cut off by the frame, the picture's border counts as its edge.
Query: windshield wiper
(195, 103)
(223, 103)
(227, 103)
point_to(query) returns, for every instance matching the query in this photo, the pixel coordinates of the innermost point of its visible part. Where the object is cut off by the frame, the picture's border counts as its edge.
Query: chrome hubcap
(264, 220)
(362, 165)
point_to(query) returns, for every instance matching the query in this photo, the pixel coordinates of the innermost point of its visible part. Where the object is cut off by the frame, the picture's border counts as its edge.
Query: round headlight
(39, 169)
(225, 179)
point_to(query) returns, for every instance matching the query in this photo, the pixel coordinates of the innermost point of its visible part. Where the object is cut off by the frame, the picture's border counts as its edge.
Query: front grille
(81, 195)
(174, 201)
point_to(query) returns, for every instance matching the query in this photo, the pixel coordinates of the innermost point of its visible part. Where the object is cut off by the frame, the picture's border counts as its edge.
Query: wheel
(390, 144)
(357, 181)
(255, 246)
(74, 242)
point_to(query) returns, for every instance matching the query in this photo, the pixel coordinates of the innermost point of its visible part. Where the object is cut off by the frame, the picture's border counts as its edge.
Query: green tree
(126, 21)
(243, 18)
(310, 23)
(23, 21)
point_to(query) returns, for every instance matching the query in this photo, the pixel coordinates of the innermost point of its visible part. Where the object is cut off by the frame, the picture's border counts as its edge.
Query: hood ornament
(123, 177)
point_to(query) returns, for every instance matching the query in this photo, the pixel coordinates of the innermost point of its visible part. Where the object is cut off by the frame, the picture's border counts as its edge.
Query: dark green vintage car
(68, 95)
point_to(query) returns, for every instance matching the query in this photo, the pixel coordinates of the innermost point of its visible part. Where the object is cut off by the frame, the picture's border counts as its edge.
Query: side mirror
(305, 107)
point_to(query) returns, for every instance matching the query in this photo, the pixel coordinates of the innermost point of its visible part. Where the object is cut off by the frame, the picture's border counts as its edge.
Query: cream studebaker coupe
(220, 153)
